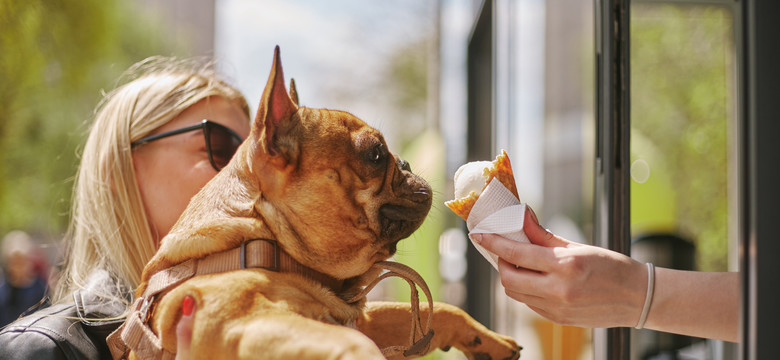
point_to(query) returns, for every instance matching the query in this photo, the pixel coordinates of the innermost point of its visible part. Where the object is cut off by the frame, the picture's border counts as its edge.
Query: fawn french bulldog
(308, 205)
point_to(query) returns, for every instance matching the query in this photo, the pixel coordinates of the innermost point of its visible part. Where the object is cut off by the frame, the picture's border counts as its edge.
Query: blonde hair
(109, 230)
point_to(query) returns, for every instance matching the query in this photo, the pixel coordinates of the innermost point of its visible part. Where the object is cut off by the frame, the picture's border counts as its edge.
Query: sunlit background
(402, 66)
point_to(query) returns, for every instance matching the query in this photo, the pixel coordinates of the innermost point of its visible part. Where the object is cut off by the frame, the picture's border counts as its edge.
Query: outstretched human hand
(566, 282)
(575, 284)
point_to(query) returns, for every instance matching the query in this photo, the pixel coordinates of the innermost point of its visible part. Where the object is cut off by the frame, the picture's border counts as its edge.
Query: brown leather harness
(137, 336)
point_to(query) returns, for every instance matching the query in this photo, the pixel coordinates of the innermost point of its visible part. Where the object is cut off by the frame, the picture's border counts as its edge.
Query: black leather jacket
(62, 331)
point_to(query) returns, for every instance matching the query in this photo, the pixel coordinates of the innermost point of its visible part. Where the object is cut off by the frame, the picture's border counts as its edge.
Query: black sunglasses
(221, 141)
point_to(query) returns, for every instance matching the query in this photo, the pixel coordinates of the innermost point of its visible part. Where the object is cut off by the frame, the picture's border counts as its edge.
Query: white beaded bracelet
(648, 296)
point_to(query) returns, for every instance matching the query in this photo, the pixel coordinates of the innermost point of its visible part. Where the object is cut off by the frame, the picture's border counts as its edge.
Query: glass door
(668, 153)
(684, 141)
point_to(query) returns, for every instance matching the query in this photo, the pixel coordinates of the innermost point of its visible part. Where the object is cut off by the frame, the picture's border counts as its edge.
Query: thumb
(184, 329)
(539, 235)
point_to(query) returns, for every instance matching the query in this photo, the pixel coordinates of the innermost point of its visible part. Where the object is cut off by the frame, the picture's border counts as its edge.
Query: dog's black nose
(404, 165)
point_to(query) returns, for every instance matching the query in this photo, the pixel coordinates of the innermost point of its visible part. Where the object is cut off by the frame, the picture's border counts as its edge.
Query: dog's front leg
(389, 324)
(281, 336)
(290, 336)
(232, 321)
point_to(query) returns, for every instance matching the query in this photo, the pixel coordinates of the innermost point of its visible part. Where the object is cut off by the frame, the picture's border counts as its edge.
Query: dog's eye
(377, 154)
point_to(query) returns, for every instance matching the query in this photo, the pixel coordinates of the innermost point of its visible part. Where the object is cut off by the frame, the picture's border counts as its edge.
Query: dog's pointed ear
(294, 92)
(275, 118)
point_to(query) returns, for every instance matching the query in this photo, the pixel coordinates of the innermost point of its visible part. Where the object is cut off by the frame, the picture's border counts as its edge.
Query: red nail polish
(187, 305)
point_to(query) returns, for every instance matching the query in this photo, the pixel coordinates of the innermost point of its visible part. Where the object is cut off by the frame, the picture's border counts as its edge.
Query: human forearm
(582, 285)
(702, 304)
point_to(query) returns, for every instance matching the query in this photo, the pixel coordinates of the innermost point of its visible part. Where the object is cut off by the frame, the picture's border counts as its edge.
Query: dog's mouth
(396, 222)
(411, 200)
(400, 221)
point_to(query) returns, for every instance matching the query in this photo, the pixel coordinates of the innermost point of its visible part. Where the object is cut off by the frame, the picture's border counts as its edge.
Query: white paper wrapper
(496, 211)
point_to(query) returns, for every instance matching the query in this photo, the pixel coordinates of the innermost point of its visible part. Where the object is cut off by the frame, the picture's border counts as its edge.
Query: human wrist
(659, 317)
(649, 292)
(637, 292)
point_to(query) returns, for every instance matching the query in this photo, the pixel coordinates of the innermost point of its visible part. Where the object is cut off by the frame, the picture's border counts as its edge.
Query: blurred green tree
(57, 55)
(682, 74)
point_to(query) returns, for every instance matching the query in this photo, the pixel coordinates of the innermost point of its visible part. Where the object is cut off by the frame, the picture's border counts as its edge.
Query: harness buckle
(275, 246)
(144, 310)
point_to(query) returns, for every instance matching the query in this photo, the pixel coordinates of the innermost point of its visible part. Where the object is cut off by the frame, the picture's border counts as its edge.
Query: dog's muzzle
(414, 197)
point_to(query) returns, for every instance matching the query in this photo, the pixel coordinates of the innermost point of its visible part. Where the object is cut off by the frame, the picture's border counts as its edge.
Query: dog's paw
(488, 346)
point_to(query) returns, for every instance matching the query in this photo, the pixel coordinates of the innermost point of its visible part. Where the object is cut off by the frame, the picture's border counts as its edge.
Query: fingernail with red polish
(187, 305)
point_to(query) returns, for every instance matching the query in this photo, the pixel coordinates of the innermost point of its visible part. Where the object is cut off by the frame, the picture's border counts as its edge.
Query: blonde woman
(155, 141)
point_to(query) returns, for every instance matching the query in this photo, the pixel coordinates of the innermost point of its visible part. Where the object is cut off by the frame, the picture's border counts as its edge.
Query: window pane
(682, 121)
(681, 108)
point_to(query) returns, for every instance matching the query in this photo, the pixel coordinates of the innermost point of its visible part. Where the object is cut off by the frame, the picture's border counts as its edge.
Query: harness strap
(257, 253)
(134, 334)
(141, 339)
(420, 337)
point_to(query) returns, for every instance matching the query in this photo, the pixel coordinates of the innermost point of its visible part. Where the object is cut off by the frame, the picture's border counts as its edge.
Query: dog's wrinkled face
(333, 194)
